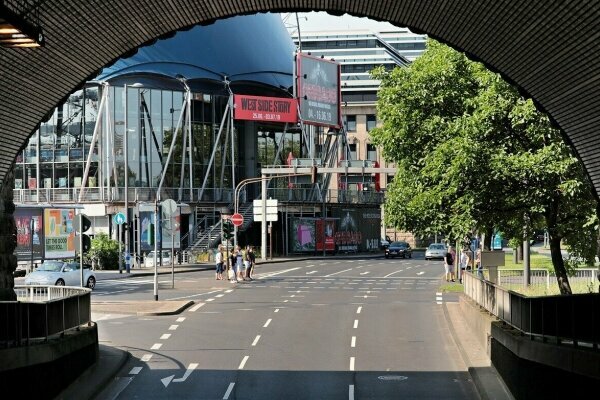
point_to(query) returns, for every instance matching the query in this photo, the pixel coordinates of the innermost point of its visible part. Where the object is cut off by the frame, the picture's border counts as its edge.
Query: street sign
(168, 207)
(237, 219)
(119, 218)
(271, 209)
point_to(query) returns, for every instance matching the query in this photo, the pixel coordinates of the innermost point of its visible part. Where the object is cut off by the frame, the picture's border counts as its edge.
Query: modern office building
(162, 117)
(359, 52)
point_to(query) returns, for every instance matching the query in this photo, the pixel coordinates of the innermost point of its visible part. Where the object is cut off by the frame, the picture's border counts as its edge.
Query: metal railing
(331, 196)
(563, 319)
(41, 312)
(544, 278)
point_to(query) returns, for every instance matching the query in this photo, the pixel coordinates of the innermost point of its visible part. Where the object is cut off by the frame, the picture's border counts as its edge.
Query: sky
(319, 21)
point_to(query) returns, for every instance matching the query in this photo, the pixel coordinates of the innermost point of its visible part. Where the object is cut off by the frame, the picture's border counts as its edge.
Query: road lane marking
(173, 327)
(196, 307)
(156, 346)
(355, 323)
(256, 339)
(166, 381)
(351, 363)
(358, 310)
(339, 272)
(277, 273)
(421, 273)
(135, 370)
(267, 323)
(229, 291)
(243, 363)
(311, 272)
(210, 299)
(194, 295)
(180, 319)
(229, 390)
(146, 357)
(353, 342)
(277, 310)
(388, 275)
(165, 336)
(351, 392)
(220, 295)
(365, 273)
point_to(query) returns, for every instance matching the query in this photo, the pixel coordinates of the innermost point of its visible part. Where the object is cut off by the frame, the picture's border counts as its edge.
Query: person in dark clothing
(449, 265)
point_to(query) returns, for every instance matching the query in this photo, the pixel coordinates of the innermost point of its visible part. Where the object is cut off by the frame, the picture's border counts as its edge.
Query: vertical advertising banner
(146, 243)
(325, 231)
(30, 237)
(319, 91)
(302, 235)
(59, 236)
(171, 228)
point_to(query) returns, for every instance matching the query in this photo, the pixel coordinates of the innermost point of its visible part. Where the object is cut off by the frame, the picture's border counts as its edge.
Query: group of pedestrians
(464, 263)
(241, 263)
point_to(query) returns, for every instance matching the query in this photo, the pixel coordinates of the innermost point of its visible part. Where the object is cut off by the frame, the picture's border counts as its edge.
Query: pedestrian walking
(233, 261)
(246, 259)
(449, 265)
(252, 258)
(464, 263)
(219, 263)
(239, 264)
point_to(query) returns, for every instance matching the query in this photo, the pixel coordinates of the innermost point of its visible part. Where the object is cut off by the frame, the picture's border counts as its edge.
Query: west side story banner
(319, 90)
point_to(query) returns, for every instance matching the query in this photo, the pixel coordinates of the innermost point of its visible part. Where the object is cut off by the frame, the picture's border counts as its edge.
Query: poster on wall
(302, 235)
(59, 236)
(358, 229)
(30, 237)
(325, 232)
(145, 219)
(319, 91)
(174, 233)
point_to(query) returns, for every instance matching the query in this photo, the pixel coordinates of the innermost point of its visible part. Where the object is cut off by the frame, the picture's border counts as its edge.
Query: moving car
(149, 259)
(384, 243)
(435, 250)
(400, 249)
(61, 273)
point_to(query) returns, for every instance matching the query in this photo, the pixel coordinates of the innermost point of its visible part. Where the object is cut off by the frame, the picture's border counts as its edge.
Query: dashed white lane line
(365, 273)
(229, 390)
(210, 299)
(420, 273)
(243, 363)
(311, 272)
(352, 363)
(276, 310)
(194, 295)
(278, 273)
(396, 272)
(256, 339)
(220, 295)
(438, 298)
(229, 291)
(267, 323)
(358, 310)
(135, 370)
(351, 392)
(196, 307)
(353, 342)
(173, 327)
(355, 323)
(146, 357)
(156, 346)
(165, 336)
(180, 319)
(339, 272)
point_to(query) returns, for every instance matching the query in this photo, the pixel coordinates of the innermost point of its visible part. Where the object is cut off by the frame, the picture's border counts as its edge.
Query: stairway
(211, 237)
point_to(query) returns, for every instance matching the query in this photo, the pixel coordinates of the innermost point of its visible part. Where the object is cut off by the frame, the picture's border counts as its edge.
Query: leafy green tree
(474, 155)
(104, 251)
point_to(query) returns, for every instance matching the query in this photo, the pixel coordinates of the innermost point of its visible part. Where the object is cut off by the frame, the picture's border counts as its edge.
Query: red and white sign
(237, 219)
(268, 109)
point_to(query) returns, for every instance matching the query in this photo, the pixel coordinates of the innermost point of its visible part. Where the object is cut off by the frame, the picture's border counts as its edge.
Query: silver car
(436, 250)
(61, 273)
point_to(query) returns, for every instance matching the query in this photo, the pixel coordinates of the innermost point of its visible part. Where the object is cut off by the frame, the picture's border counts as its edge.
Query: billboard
(59, 236)
(319, 91)
(302, 235)
(358, 229)
(164, 232)
(325, 232)
(269, 109)
(30, 236)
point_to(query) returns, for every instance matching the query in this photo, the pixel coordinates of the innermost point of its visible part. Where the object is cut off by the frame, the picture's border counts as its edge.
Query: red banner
(268, 109)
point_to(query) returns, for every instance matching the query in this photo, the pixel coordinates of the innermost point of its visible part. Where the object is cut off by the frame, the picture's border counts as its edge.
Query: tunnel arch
(548, 49)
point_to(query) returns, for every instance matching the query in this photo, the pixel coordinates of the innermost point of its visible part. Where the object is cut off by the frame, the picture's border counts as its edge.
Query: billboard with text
(319, 91)
(59, 236)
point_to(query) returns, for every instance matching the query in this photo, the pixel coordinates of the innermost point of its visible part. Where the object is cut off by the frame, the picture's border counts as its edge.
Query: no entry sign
(237, 219)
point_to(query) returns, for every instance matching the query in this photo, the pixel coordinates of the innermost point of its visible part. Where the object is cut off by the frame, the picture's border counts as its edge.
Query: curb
(170, 312)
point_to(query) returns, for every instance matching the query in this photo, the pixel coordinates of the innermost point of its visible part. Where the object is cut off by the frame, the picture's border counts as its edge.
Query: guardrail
(563, 319)
(543, 277)
(41, 312)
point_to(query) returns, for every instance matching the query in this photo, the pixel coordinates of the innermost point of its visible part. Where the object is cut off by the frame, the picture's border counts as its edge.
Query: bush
(104, 252)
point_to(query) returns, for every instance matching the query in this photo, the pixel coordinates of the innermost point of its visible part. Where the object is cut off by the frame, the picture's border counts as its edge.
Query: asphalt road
(322, 329)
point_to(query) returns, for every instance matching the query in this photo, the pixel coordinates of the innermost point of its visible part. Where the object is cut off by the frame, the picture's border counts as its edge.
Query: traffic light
(81, 224)
(313, 175)
(227, 229)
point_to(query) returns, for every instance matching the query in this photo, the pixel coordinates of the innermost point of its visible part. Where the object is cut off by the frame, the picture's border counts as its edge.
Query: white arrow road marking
(166, 381)
(420, 273)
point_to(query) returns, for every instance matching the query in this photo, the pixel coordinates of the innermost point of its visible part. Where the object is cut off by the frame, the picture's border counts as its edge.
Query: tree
(105, 251)
(472, 154)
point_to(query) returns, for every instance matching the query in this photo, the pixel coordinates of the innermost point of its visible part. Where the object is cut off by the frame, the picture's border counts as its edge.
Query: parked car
(435, 250)
(149, 259)
(398, 249)
(61, 273)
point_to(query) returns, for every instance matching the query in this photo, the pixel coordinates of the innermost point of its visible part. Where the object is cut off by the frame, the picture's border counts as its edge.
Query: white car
(61, 273)
(149, 259)
(435, 250)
